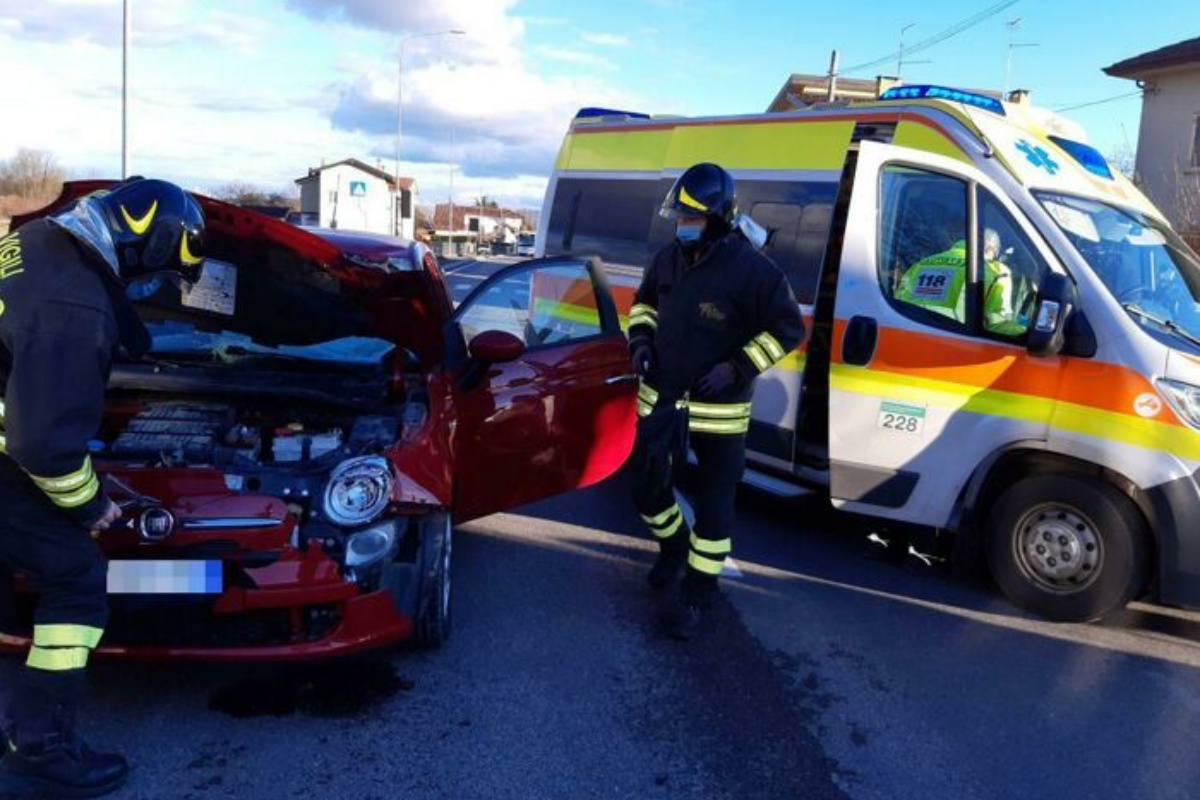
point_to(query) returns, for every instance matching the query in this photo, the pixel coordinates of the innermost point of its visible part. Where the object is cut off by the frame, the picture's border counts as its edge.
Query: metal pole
(397, 222)
(833, 67)
(125, 42)
(900, 55)
(450, 225)
(397, 225)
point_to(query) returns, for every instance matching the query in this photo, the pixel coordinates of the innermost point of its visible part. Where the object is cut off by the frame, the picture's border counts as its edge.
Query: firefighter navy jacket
(733, 305)
(59, 332)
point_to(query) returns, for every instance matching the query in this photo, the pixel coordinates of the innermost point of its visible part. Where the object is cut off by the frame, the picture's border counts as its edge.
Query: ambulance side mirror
(1051, 311)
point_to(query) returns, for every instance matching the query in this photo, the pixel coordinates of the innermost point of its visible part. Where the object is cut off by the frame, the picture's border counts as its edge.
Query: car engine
(193, 433)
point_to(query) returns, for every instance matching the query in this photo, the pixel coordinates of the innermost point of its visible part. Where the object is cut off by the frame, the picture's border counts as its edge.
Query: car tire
(432, 621)
(1070, 548)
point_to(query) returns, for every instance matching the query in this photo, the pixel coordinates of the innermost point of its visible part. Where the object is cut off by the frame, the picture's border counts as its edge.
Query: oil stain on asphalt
(346, 689)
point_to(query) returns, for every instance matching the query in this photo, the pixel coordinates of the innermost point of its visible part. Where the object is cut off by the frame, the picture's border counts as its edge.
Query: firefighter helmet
(702, 190)
(156, 228)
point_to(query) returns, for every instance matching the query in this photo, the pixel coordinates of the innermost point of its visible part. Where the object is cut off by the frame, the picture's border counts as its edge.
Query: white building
(1168, 152)
(352, 195)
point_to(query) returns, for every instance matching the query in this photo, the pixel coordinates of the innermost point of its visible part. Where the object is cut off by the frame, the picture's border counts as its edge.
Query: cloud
(164, 23)
(606, 39)
(577, 57)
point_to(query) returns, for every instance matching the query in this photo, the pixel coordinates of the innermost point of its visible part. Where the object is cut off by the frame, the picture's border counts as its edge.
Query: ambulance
(1033, 388)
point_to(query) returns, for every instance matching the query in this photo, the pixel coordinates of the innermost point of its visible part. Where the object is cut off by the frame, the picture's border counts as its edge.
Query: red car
(315, 417)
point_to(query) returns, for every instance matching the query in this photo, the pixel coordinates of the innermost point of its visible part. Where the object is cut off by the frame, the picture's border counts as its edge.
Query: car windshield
(1144, 265)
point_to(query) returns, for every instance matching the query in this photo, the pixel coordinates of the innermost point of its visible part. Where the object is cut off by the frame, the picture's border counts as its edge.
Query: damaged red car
(313, 420)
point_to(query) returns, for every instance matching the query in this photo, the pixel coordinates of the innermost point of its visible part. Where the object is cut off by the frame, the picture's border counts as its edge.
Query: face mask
(689, 232)
(144, 289)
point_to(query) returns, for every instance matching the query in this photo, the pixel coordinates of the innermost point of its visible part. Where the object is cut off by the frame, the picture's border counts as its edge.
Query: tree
(247, 194)
(31, 174)
(1122, 159)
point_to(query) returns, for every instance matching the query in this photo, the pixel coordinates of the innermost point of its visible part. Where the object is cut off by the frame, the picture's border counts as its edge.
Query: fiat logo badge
(156, 524)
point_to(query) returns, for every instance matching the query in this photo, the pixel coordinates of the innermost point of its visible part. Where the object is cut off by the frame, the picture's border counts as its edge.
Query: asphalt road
(823, 675)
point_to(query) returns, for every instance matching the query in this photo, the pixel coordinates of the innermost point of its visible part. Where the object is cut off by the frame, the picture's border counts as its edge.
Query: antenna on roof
(1012, 24)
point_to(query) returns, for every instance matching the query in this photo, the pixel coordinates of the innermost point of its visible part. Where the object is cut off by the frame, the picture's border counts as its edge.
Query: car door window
(923, 245)
(542, 306)
(1012, 270)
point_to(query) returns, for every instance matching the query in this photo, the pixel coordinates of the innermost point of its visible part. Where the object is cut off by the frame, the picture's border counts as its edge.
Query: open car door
(551, 409)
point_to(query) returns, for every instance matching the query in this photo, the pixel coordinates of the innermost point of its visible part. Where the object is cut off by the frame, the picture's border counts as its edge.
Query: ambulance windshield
(1145, 266)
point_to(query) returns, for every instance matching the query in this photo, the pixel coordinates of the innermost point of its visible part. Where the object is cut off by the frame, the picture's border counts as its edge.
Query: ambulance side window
(797, 241)
(923, 245)
(1011, 273)
(609, 218)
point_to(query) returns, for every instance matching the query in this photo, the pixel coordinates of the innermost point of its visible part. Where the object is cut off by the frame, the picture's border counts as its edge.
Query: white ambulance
(1033, 386)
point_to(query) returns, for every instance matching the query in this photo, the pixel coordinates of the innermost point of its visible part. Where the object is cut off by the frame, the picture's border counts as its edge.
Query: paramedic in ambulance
(936, 283)
(711, 314)
(65, 312)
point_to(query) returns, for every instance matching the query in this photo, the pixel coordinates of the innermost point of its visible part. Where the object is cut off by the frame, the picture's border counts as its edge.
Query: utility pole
(453, 152)
(125, 45)
(833, 68)
(1012, 28)
(397, 224)
(900, 54)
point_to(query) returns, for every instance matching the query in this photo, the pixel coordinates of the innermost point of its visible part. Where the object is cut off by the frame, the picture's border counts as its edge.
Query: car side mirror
(1051, 310)
(496, 347)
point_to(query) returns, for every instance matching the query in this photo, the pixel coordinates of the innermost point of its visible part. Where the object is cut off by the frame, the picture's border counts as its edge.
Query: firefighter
(65, 283)
(712, 313)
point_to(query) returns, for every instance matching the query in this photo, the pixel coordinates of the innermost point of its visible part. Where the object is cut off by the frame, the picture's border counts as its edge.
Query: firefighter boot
(672, 558)
(687, 620)
(52, 761)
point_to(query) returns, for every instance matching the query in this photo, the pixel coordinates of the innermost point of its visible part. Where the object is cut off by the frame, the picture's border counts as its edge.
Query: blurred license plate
(165, 577)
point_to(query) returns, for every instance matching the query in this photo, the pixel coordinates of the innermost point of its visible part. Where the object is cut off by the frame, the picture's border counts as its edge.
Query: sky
(259, 91)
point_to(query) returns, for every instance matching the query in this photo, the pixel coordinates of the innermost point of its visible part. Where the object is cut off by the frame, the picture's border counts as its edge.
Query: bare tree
(1122, 159)
(247, 194)
(31, 174)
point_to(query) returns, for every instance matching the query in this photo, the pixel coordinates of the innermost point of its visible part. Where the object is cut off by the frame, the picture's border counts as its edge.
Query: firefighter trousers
(68, 571)
(721, 459)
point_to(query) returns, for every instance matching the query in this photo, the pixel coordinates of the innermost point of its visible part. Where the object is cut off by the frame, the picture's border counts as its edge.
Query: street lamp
(396, 210)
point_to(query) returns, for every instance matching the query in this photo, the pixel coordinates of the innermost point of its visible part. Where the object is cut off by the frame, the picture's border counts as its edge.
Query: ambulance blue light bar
(944, 93)
(609, 112)
(1088, 157)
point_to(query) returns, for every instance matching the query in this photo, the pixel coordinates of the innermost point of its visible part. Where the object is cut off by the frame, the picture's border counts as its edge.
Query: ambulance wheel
(433, 617)
(1069, 548)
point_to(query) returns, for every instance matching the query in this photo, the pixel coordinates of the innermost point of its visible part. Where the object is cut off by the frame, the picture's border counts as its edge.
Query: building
(353, 195)
(801, 91)
(480, 224)
(1168, 152)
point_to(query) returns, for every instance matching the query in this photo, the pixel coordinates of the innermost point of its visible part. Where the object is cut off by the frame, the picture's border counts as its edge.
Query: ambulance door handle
(858, 343)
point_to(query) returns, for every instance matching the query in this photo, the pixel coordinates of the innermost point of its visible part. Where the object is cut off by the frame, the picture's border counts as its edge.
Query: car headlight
(358, 490)
(1184, 399)
(367, 548)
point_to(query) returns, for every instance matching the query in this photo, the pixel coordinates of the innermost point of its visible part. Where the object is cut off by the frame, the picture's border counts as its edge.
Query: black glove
(642, 353)
(718, 380)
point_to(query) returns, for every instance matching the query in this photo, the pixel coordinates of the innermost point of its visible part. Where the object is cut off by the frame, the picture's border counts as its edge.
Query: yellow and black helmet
(702, 190)
(156, 227)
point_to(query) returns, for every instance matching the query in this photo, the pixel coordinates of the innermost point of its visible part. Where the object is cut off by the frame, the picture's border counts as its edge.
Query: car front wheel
(433, 618)
(1070, 548)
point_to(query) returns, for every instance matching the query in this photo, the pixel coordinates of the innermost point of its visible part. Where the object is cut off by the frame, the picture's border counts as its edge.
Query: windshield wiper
(1165, 324)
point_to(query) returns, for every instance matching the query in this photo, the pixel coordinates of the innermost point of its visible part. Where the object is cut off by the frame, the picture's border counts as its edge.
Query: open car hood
(283, 285)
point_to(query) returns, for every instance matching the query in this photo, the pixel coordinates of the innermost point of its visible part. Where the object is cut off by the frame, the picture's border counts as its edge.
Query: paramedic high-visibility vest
(936, 283)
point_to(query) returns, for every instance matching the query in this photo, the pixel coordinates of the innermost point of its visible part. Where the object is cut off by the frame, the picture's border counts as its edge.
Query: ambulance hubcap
(1058, 548)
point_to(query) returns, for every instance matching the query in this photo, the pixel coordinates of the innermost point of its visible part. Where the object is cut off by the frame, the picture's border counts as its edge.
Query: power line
(939, 37)
(1097, 102)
